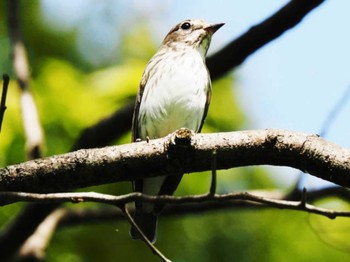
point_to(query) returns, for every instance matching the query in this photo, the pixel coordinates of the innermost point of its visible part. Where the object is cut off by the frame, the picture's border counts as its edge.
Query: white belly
(174, 99)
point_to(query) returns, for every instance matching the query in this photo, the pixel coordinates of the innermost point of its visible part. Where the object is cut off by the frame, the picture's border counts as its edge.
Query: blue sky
(291, 83)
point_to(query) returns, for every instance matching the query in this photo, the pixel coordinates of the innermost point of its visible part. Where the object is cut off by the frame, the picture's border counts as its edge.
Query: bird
(174, 93)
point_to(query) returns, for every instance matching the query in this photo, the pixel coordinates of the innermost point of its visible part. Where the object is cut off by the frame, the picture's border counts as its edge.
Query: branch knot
(182, 137)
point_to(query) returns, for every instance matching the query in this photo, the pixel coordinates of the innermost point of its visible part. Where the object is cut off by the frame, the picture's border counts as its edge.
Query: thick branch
(181, 151)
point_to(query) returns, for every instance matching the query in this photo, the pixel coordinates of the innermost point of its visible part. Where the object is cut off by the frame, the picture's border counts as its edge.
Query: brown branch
(34, 248)
(236, 148)
(5, 84)
(88, 167)
(73, 217)
(22, 227)
(32, 127)
(31, 216)
(121, 200)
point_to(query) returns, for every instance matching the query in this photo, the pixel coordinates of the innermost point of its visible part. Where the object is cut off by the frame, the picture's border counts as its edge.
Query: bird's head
(193, 33)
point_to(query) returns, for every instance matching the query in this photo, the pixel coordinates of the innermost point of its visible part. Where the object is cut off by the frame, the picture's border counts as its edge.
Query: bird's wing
(207, 102)
(135, 119)
(138, 184)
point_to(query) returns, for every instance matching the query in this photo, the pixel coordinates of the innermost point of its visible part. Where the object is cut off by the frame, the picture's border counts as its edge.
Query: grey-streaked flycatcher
(175, 91)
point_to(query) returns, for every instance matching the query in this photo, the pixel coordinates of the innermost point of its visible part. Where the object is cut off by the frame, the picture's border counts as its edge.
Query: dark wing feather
(169, 186)
(206, 108)
(135, 117)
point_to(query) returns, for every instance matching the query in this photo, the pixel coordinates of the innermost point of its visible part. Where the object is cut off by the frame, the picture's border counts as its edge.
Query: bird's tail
(147, 222)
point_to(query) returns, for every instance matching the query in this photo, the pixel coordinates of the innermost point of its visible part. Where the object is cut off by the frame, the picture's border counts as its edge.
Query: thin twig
(144, 238)
(5, 84)
(334, 112)
(12, 197)
(75, 216)
(326, 126)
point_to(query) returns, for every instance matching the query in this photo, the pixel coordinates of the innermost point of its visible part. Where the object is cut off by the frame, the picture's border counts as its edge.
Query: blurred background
(94, 52)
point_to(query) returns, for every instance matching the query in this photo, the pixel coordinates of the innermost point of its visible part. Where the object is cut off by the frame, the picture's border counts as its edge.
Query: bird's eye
(186, 26)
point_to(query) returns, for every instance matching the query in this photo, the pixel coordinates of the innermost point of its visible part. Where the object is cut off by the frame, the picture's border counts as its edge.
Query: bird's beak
(213, 28)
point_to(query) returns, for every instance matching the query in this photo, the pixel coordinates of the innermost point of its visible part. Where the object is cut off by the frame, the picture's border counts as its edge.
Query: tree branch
(5, 84)
(49, 225)
(22, 227)
(301, 205)
(30, 216)
(72, 217)
(192, 153)
(30, 118)
(35, 246)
